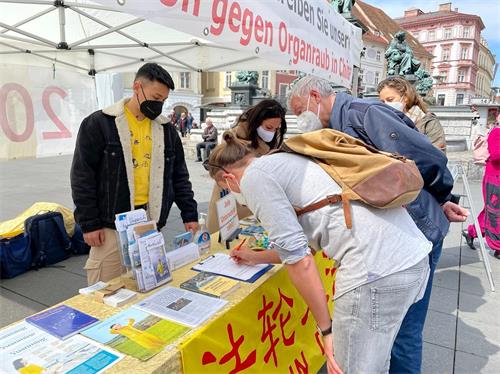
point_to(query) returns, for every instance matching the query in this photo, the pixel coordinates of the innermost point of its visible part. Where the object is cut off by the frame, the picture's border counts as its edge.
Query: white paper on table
(181, 306)
(183, 256)
(91, 289)
(24, 342)
(222, 264)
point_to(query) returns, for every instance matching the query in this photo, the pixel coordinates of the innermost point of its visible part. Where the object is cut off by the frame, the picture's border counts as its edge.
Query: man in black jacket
(128, 157)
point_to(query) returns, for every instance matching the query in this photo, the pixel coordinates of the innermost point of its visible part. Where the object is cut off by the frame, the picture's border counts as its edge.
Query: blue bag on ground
(78, 245)
(48, 239)
(15, 256)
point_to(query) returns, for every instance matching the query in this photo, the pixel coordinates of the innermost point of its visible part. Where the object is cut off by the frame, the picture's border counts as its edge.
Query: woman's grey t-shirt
(381, 241)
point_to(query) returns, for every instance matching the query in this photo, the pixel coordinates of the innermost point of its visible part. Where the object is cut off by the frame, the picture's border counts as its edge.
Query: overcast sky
(488, 10)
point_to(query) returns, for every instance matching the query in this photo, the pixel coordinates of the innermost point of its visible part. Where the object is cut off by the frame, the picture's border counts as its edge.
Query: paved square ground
(462, 333)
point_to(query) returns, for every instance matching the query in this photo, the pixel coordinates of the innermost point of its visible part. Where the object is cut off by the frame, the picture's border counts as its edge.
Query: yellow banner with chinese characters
(270, 331)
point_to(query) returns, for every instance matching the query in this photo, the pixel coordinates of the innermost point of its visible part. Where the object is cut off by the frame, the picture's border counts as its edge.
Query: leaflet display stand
(457, 171)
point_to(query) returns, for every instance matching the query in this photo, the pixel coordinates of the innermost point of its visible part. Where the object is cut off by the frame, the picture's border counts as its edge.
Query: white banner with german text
(305, 35)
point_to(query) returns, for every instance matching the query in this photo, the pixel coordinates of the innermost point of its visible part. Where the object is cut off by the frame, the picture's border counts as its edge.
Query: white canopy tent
(216, 35)
(92, 38)
(50, 52)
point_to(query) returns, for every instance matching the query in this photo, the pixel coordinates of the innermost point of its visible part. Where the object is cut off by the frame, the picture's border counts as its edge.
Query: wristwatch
(325, 332)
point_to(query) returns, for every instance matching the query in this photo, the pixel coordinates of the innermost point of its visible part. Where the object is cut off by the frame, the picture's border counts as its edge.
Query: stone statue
(399, 55)
(343, 6)
(424, 81)
(247, 77)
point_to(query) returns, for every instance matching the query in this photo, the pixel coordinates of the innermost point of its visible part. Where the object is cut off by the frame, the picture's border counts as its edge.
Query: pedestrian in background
(489, 218)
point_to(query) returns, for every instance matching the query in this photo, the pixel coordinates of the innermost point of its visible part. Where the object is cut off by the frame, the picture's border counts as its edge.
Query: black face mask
(150, 108)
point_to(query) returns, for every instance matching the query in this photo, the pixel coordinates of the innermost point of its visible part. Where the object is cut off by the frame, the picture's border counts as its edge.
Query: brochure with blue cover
(62, 321)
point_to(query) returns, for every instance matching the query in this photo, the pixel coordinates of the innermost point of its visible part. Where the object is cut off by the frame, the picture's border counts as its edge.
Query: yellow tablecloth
(265, 326)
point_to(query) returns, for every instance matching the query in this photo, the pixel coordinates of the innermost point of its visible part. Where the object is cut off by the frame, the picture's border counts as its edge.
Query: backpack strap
(329, 200)
(62, 231)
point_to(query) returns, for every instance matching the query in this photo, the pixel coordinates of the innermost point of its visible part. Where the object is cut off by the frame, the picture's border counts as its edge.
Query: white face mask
(308, 121)
(398, 105)
(240, 199)
(265, 135)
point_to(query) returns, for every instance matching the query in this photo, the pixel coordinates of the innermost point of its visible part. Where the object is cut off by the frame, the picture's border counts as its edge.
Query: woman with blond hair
(382, 261)
(400, 94)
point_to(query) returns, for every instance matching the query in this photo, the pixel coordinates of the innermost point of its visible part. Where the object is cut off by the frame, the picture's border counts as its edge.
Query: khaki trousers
(104, 262)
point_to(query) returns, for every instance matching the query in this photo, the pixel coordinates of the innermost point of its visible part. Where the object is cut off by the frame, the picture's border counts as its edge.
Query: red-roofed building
(380, 32)
(462, 62)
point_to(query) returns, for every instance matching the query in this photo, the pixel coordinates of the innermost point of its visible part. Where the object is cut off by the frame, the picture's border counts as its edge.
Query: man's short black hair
(154, 72)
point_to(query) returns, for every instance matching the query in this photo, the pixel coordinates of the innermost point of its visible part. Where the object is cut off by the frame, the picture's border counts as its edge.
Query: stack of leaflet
(145, 248)
(122, 222)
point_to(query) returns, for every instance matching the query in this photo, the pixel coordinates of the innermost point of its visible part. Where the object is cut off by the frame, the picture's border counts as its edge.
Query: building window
(440, 100)
(185, 80)
(460, 99)
(432, 35)
(444, 76)
(377, 77)
(416, 35)
(446, 54)
(379, 55)
(283, 90)
(369, 77)
(466, 32)
(265, 79)
(461, 75)
(464, 53)
(447, 33)
(228, 78)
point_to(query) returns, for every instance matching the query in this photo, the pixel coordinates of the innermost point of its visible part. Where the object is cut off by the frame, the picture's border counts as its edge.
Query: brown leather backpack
(379, 179)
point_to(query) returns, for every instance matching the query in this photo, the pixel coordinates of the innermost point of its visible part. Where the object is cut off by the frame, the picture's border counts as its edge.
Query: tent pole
(148, 59)
(143, 44)
(32, 2)
(106, 32)
(109, 46)
(12, 37)
(44, 57)
(62, 26)
(91, 6)
(29, 35)
(33, 17)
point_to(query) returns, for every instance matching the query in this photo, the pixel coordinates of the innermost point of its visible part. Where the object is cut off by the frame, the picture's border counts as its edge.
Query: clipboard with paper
(222, 264)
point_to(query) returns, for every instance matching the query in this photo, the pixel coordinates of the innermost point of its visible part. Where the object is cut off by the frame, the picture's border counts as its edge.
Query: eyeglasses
(207, 165)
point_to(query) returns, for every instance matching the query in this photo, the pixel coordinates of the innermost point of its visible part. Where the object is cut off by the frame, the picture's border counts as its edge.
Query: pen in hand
(238, 247)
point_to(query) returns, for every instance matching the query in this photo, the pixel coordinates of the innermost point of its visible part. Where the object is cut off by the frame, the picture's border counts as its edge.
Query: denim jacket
(390, 130)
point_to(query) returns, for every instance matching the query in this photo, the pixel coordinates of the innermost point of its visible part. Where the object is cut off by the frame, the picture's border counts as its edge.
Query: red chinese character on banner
(330, 270)
(301, 367)
(283, 321)
(267, 331)
(240, 365)
(319, 342)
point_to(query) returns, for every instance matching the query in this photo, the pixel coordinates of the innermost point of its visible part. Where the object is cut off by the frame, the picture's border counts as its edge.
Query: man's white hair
(304, 85)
